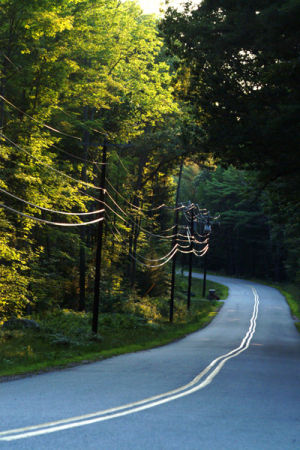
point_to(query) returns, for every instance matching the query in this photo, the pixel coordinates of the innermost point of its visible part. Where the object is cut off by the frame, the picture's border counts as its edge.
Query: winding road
(234, 385)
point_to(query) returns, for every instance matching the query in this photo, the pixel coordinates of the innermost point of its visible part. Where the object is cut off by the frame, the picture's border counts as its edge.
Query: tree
(245, 241)
(71, 74)
(240, 62)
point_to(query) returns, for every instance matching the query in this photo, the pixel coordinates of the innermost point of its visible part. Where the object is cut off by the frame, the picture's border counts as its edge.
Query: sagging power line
(185, 238)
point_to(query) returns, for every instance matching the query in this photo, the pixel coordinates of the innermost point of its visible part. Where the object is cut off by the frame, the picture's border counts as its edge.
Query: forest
(113, 123)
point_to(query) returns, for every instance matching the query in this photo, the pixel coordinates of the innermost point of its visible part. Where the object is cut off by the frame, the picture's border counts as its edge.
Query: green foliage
(64, 337)
(244, 237)
(291, 293)
(84, 69)
(244, 68)
(14, 278)
(239, 71)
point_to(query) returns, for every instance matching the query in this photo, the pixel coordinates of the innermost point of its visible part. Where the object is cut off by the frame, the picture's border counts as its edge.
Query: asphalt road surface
(233, 385)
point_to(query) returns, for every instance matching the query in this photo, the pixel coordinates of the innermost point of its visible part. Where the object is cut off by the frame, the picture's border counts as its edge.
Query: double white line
(199, 382)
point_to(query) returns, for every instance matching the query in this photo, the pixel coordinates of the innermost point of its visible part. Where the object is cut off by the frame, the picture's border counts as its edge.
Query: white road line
(131, 408)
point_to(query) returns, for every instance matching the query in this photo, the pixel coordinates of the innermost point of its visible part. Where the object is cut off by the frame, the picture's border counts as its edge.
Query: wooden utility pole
(191, 258)
(174, 242)
(204, 275)
(82, 257)
(99, 244)
(207, 230)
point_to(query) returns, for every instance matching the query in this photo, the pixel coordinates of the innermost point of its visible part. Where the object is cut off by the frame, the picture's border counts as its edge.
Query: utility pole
(99, 244)
(191, 258)
(82, 256)
(207, 230)
(204, 275)
(174, 242)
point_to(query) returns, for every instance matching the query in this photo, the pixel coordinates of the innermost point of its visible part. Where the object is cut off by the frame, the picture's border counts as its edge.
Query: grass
(289, 291)
(292, 295)
(65, 339)
(197, 287)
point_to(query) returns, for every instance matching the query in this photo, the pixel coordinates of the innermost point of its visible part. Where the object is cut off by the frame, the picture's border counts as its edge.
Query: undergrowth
(292, 295)
(64, 336)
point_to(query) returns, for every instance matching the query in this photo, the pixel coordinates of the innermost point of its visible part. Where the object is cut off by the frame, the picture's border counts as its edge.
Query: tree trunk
(174, 241)
(82, 254)
(135, 230)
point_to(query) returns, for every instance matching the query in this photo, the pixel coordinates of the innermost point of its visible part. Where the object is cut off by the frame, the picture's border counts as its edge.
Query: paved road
(234, 385)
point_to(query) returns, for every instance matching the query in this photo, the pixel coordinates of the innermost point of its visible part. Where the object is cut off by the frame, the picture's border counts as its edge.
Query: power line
(48, 222)
(96, 212)
(186, 212)
(153, 266)
(123, 165)
(138, 208)
(48, 166)
(178, 244)
(11, 62)
(89, 185)
(130, 221)
(79, 181)
(168, 260)
(201, 253)
(37, 121)
(51, 210)
(149, 259)
(115, 203)
(76, 157)
(83, 125)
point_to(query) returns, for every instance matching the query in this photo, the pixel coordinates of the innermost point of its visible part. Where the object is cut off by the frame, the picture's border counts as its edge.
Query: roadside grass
(197, 287)
(292, 295)
(290, 291)
(65, 339)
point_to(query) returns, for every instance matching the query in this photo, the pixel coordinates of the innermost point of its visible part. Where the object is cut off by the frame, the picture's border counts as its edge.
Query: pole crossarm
(198, 228)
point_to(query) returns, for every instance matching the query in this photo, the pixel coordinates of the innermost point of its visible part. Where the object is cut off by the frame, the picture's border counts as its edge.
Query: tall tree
(242, 70)
(59, 59)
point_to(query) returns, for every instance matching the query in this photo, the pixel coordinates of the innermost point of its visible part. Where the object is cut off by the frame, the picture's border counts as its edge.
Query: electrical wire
(53, 129)
(123, 165)
(85, 160)
(141, 228)
(52, 210)
(129, 221)
(105, 204)
(169, 259)
(151, 266)
(37, 121)
(195, 252)
(162, 258)
(200, 242)
(202, 253)
(48, 222)
(82, 124)
(150, 259)
(163, 205)
(115, 203)
(11, 62)
(120, 195)
(177, 245)
(98, 211)
(89, 185)
(154, 266)
(48, 166)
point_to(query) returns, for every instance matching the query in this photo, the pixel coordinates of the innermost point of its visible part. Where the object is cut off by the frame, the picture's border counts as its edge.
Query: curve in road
(195, 385)
(258, 386)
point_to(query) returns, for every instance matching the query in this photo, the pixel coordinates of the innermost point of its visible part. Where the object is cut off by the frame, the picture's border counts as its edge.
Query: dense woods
(214, 88)
(238, 68)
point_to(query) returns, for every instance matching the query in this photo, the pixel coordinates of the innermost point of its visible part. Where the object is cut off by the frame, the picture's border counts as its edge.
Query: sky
(152, 6)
